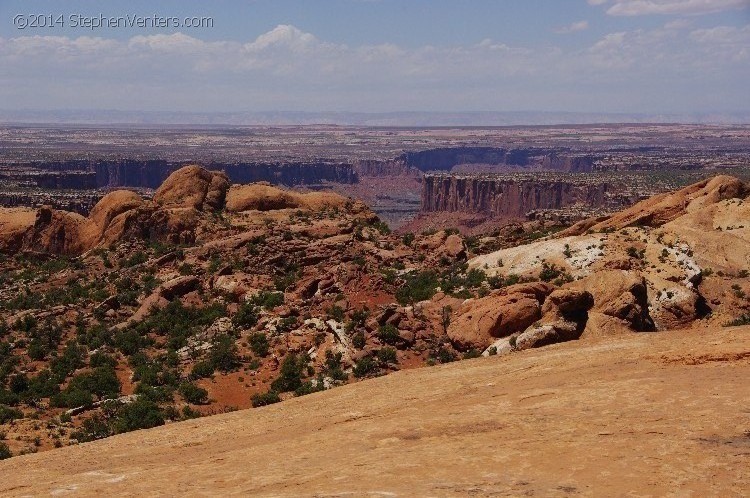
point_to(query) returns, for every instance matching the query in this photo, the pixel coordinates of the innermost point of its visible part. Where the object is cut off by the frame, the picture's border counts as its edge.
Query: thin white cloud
(673, 7)
(287, 68)
(573, 28)
(597, 2)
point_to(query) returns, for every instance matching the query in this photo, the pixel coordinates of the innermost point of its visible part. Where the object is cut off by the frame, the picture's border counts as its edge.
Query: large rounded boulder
(193, 187)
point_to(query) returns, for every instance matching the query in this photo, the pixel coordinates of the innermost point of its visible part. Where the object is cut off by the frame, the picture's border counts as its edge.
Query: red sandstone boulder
(193, 187)
(497, 315)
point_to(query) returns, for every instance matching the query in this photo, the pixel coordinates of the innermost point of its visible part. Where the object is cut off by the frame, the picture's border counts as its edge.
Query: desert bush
(549, 272)
(246, 316)
(309, 387)
(8, 414)
(93, 428)
(290, 375)
(365, 367)
(336, 312)
(267, 398)
(71, 359)
(333, 366)
(100, 359)
(473, 353)
(388, 334)
(193, 394)
(259, 344)
(140, 414)
(741, 320)
(444, 355)
(358, 340)
(387, 355)
(202, 370)
(417, 287)
(134, 259)
(223, 356)
(5, 451)
(268, 300)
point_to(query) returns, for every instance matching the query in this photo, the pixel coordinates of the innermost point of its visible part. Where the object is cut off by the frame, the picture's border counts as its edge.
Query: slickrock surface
(637, 415)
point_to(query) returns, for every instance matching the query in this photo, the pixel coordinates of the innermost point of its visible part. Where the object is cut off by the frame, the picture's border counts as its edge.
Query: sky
(631, 56)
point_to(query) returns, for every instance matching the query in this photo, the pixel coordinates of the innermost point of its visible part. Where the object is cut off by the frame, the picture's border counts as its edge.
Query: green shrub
(9, 398)
(102, 382)
(388, 334)
(365, 367)
(202, 370)
(549, 272)
(8, 414)
(333, 366)
(259, 344)
(444, 355)
(43, 385)
(100, 359)
(387, 356)
(223, 356)
(36, 350)
(93, 428)
(246, 316)
(474, 353)
(268, 300)
(72, 398)
(19, 383)
(193, 394)
(336, 312)
(290, 375)
(263, 399)
(129, 341)
(358, 340)
(309, 388)
(140, 414)
(4, 451)
(742, 320)
(68, 362)
(417, 287)
(137, 258)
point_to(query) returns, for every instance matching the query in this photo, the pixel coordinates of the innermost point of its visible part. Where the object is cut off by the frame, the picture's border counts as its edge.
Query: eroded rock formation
(506, 198)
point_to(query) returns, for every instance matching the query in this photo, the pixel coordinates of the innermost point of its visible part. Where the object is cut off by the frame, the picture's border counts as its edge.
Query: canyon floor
(651, 414)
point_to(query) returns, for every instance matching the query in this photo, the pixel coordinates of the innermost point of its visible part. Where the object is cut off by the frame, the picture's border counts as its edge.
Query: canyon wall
(506, 198)
(82, 174)
(391, 167)
(289, 173)
(444, 159)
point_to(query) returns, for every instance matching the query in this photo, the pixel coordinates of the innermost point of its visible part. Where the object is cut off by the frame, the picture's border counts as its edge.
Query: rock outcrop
(182, 207)
(264, 197)
(193, 187)
(565, 314)
(620, 302)
(500, 314)
(663, 208)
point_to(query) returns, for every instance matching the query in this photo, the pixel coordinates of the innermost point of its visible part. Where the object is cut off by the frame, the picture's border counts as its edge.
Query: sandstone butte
(640, 415)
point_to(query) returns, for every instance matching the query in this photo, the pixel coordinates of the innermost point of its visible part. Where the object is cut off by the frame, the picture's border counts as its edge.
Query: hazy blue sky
(383, 55)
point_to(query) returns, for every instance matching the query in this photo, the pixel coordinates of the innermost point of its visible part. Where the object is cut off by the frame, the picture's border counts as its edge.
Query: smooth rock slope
(635, 415)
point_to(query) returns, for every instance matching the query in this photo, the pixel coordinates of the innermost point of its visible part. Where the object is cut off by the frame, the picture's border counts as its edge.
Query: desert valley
(540, 323)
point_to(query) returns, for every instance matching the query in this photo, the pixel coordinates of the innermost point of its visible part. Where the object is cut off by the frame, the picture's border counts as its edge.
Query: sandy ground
(665, 414)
